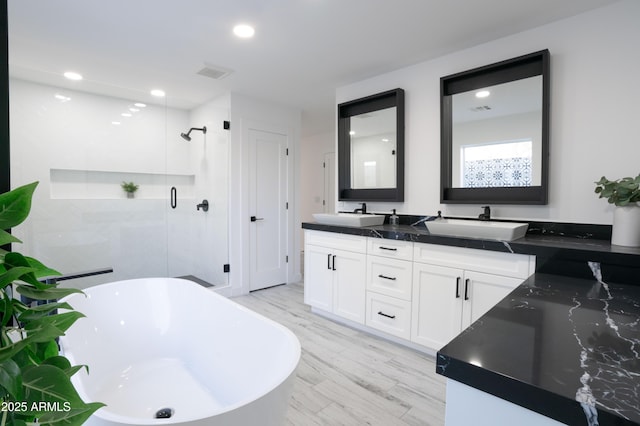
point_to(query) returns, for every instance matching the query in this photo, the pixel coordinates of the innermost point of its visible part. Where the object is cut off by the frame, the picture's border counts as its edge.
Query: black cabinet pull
(174, 197)
(387, 248)
(333, 266)
(387, 278)
(385, 315)
(458, 287)
(329, 261)
(466, 289)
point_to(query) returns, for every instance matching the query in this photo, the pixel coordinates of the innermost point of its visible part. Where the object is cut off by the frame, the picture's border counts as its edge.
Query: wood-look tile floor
(347, 377)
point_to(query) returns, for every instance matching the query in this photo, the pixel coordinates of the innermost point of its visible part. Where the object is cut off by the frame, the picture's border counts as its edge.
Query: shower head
(186, 136)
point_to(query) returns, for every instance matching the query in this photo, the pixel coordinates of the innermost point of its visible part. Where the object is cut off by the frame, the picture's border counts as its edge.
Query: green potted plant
(624, 193)
(35, 380)
(130, 188)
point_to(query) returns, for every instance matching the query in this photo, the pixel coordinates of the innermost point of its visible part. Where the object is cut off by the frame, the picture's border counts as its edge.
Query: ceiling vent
(214, 71)
(480, 108)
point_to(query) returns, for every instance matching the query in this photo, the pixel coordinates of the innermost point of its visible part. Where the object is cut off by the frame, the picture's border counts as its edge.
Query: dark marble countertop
(530, 244)
(568, 348)
(559, 253)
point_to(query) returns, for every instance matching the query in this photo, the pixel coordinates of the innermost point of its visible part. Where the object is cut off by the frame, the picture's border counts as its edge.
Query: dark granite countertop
(568, 348)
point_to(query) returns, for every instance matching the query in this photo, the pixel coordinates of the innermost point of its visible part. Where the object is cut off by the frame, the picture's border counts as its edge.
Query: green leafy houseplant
(35, 381)
(129, 187)
(621, 192)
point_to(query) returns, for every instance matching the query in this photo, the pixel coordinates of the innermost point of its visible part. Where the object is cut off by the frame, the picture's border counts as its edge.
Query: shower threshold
(197, 280)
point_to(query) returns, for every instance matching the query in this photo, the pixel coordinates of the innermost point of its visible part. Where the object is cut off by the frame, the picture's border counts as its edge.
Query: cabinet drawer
(390, 248)
(389, 314)
(490, 262)
(391, 277)
(336, 241)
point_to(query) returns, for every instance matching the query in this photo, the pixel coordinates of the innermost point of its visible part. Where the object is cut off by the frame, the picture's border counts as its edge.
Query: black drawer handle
(385, 315)
(388, 248)
(333, 263)
(458, 287)
(466, 289)
(329, 261)
(387, 278)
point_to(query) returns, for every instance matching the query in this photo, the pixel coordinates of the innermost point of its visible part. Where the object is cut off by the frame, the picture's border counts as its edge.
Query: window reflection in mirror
(497, 135)
(373, 149)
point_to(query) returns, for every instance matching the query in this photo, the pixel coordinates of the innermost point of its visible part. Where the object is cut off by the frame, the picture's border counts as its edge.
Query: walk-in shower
(83, 220)
(186, 136)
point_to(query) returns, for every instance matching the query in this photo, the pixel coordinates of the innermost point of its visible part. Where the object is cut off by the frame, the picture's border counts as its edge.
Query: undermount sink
(349, 219)
(488, 230)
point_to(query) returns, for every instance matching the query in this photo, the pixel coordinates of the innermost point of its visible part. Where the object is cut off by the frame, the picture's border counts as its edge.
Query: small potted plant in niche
(35, 380)
(625, 194)
(130, 188)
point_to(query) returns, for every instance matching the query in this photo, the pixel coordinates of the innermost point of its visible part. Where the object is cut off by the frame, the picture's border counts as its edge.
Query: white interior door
(268, 208)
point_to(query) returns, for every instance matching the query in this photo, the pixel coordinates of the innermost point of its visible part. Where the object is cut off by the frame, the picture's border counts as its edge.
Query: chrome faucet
(362, 209)
(486, 215)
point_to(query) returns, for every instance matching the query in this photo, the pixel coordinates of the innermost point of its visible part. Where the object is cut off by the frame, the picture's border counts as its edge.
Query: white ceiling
(302, 51)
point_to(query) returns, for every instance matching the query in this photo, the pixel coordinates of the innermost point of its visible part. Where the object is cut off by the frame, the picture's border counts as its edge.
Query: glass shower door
(82, 147)
(198, 204)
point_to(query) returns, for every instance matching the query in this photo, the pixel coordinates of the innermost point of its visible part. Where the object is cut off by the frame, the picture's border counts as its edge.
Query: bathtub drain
(164, 413)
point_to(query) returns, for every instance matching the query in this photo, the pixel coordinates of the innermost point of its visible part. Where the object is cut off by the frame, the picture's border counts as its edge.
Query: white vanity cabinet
(452, 287)
(335, 267)
(389, 278)
(418, 294)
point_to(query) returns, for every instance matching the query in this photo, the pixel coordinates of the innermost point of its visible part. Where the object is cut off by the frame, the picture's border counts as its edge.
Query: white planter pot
(626, 226)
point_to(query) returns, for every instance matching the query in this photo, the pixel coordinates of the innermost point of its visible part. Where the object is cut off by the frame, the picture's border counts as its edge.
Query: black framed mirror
(371, 148)
(495, 133)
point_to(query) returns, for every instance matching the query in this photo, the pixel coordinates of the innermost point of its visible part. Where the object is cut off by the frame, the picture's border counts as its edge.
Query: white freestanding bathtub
(157, 344)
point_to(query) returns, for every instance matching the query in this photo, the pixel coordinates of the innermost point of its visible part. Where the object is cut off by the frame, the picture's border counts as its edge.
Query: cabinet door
(318, 277)
(349, 285)
(436, 311)
(482, 292)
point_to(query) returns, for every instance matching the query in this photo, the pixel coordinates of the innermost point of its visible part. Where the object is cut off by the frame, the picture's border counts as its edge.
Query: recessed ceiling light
(125, 114)
(134, 109)
(244, 31)
(385, 140)
(115, 123)
(140, 105)
(351, 133)
(73, 75)
(158, 93)
(482, 94)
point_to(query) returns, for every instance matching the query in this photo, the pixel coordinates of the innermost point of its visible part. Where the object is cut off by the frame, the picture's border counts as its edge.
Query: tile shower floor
(347, 377)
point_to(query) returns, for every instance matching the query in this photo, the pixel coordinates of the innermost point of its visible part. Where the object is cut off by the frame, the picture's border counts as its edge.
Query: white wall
(594, 98)
(245, 113)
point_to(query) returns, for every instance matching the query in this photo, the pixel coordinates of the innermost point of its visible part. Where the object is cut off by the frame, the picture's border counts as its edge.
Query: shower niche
(93, 184)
